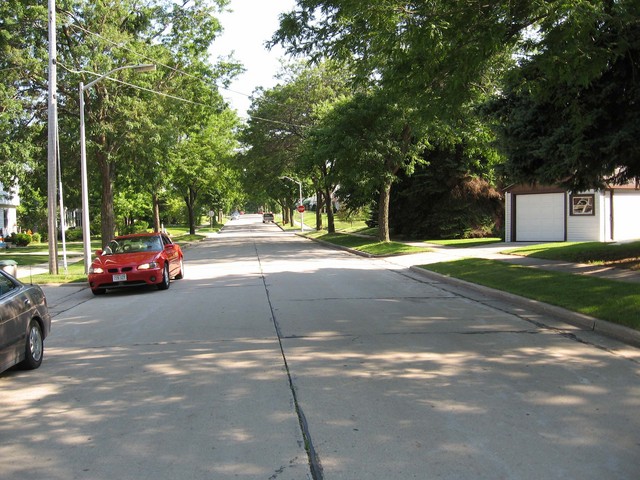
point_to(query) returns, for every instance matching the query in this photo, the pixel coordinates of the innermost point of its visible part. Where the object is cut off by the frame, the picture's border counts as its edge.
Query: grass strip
(367, 244)
(465, 242)
(75, 274)
(187, 238)
(26, 259)
(581, 252)
(617, 302)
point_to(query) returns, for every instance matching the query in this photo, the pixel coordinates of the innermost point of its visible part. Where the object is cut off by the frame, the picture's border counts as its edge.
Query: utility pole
(52, 143)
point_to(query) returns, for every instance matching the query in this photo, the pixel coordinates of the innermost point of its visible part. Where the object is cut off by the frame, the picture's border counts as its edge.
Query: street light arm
(137, 68)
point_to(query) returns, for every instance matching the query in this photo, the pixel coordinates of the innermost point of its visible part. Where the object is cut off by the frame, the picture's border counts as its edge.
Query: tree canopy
(394, 87)
(133, 121)
(430, 54)
(570, 113)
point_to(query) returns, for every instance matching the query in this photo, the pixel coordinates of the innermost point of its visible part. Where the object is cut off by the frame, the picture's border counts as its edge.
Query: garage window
(582, 205)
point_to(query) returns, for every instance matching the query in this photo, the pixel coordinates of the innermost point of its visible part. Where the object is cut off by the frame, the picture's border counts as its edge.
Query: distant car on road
(24, 323)
(267, 218)
(235, 216)
(136, 259)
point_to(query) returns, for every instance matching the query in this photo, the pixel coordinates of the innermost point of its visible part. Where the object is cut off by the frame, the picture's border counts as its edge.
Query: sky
(246, 29)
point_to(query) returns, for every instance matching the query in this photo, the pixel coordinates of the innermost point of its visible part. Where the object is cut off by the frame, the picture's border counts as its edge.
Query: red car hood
(126, 259)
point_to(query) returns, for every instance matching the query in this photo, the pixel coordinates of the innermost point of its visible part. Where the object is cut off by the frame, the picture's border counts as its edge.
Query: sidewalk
(492, 252)
(549, 312)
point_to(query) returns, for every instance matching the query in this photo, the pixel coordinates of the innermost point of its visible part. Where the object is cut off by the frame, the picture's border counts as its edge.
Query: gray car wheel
(34, 347)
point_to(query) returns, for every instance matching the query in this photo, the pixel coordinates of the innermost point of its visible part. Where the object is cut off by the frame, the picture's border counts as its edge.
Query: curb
(585, 322)
(340, 247)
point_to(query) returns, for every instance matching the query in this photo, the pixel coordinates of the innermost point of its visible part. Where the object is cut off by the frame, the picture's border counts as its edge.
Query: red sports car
(137, 259)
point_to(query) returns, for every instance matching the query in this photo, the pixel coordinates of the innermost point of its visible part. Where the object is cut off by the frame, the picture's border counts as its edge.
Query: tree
(368, 142)
(200, 159)
(419, 62)
(432, 53)
(23, 106)
(277, 133)
(123, 121)
(130, 131)
(570, 112)
(452, 193)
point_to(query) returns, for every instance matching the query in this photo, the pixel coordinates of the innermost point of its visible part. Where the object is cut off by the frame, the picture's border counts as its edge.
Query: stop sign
(301, 208)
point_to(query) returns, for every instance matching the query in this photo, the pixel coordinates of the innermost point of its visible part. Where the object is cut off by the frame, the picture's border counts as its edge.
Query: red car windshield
(134, 244)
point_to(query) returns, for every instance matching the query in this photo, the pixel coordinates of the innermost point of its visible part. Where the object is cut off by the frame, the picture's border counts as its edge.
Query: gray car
(24, 323)
(267, 218)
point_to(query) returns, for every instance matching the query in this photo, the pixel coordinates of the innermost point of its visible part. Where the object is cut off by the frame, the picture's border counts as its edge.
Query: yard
(622, 255)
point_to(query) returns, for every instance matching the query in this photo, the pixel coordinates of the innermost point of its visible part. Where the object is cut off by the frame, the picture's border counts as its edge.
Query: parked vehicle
(24, 323)
(267, 218)
(136, 259)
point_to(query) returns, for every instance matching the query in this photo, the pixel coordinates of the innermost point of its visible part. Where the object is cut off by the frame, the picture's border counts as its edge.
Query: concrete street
(279, 358)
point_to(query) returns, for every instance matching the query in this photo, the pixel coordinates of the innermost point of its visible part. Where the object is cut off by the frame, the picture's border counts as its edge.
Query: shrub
(73, 234)
(36, 237)
(139, 226)
(21, 239)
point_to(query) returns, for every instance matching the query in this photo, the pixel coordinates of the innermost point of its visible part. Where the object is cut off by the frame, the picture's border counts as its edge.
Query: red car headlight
(93, 269)
(148, 266)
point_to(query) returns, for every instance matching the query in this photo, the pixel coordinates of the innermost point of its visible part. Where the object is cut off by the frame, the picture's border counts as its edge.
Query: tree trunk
(385, 192)
(285, 212)
(383, 212)
(108, 221)
(331, 224)
(156, 212)
(190, 200)
(319, 200)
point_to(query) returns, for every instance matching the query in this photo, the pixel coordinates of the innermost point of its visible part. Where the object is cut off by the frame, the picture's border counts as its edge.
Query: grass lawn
(75, 274)
(215, 229)
(367, 245)
(25, 258)
(38, 253)
(342, 226)
(465, 242)
(186, 238)
(617, 302)
(622, 254)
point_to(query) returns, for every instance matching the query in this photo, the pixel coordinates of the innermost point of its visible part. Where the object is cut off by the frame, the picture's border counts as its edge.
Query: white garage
(626, 214)
(552, 214)
(540, 217)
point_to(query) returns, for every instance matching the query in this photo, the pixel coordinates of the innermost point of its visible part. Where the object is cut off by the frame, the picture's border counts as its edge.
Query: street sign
(301, 208)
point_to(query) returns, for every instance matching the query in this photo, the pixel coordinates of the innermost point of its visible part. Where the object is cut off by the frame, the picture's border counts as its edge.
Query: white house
(553, 214)
(9, 201)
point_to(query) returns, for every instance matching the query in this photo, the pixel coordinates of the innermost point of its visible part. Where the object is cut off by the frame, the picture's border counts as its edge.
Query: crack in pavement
(314, 460)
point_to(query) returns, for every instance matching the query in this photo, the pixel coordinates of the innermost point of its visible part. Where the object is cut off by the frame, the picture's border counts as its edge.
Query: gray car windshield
(135, 244)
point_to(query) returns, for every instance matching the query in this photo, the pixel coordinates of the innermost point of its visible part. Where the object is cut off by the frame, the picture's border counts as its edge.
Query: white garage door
(540, 217)
(625, 215)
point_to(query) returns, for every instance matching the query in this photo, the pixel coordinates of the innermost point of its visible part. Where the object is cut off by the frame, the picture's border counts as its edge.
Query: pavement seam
(314, 460)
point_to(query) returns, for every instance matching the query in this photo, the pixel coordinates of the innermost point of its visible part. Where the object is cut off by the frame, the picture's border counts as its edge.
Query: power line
(177, 70)
(138, 87)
